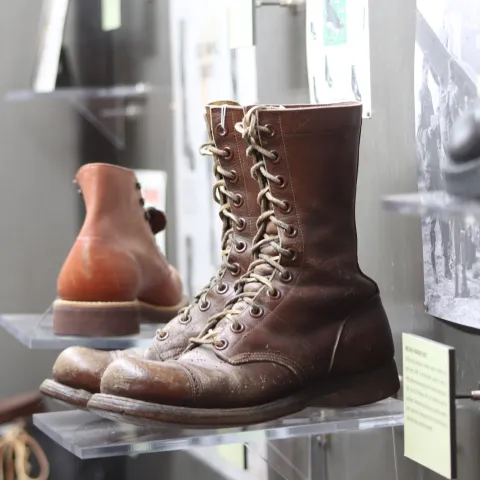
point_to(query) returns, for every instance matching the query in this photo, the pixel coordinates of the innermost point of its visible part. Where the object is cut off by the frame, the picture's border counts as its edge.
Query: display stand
(89, 436)
(36, 332)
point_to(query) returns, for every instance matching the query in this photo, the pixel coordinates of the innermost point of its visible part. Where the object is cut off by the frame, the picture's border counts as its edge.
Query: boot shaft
(113, 202)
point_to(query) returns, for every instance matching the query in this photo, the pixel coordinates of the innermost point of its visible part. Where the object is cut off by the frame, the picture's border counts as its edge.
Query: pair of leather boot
(302, 326)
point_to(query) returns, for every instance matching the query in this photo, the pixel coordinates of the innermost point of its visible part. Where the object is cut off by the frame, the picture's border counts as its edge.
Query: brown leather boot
(306, 327)
(115, 274)
(77, 371)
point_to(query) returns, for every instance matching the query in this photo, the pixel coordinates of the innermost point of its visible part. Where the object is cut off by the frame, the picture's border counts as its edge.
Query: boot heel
(362, 389)
(96, 319)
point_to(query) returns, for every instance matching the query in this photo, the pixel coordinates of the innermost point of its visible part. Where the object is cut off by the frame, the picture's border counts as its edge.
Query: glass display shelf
(140, 90)
(438, 203)
(89, 436)
(36, 332)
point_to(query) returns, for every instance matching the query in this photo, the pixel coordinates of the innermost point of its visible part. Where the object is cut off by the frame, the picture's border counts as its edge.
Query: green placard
(429, 404)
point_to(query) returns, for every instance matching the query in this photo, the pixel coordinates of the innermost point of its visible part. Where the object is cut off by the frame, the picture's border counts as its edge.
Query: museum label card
(111, 15)
(429, 404)
(241, 23)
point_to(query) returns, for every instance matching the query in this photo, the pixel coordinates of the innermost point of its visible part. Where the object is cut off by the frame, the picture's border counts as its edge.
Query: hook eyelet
(221, 344)
(240, 247)
(239, 328)
(222, 131)
(204, 306)
(184, 320)
(256, 312)
(229, 154)
(291, 232)
(275, 295)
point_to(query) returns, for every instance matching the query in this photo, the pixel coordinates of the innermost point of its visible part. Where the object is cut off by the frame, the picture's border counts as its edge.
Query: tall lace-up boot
(115, 274)
(77, 371)
(306, 327)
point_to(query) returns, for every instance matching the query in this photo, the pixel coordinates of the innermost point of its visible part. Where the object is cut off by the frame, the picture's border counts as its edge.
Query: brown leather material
(327, 323)
(82, 368)
(20, 406)
(246, 209)
(115, 257)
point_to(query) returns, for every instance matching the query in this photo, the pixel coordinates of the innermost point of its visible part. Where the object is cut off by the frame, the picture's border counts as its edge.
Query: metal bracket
(280, 3)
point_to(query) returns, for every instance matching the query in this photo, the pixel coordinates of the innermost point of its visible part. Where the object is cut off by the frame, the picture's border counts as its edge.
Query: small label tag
(241, 23)
(429, 404)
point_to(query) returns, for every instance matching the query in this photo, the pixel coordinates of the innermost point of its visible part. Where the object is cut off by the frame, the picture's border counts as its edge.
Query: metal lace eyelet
(222, 288)
(204, 306)
(292, 254)
(276, 157)
(275, 295)
(237, 327)
(241, 225)
(256, 312)
(222, 131)
(238, 201)
(281, 182)
(272, 131)
(235, 270)
(138, 186)
(142, 202)
(147, 216)
(163, 335)
(184, 320)
(79, 191)
(286, 207)
(240, 247)
(229, 153)
(234, 178)
(286, 277)
(291, 232)
(221, 344)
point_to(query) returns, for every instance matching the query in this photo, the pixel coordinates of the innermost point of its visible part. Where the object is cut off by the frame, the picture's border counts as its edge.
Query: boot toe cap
(159, 382)
(81, 368)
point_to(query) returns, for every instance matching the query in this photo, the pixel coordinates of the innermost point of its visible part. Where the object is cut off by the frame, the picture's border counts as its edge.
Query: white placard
(154, 192)
(338, 52)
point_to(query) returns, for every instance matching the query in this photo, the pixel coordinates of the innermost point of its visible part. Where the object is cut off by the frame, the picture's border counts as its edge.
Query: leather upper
(328, 320)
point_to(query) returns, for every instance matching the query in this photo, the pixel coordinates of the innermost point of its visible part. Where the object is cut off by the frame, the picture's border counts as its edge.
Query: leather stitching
(195, 387)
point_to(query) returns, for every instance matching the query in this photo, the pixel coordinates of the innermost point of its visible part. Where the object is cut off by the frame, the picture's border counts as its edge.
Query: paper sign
(429, 404)
(234, 454)
(241, 23)
(154, 192)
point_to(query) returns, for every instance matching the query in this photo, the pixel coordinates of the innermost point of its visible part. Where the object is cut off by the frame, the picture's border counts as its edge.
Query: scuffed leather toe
(82, 368)
(165, 383)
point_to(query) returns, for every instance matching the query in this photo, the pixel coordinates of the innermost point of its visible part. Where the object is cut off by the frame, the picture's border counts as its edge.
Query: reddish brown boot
(306, 327)
(115, 276)
(77, 371)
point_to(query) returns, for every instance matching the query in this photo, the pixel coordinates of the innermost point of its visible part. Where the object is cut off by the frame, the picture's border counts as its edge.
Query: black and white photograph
(447, 73)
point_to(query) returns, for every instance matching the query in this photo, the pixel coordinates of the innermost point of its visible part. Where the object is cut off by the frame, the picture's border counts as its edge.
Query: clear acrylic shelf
(139, 90)
(36, 332)
(89, 436)
(438, 203)
(106, 108)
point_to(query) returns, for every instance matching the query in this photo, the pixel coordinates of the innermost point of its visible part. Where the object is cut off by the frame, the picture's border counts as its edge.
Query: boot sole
(108, 319)
(66, 395)
(354, 391)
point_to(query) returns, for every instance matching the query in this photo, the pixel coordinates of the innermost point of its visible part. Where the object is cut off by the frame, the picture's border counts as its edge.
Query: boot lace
(220, 195)
(267, 250)
(16, 448)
